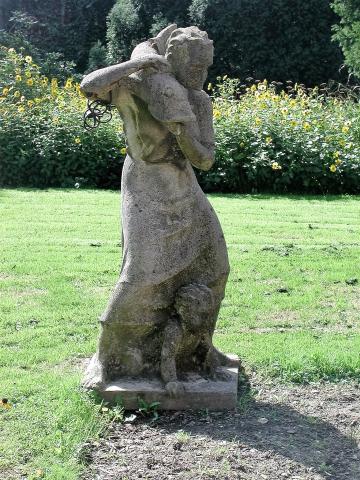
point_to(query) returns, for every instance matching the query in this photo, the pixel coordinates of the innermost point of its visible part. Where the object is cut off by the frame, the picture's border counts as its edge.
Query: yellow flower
(77, 140)
(284, 111)
(123, 151)
(55, 120)
(293, 103)
(28, 59)
(4, 403)
(307, 126)
(5, 91)
(337, 161)
(18, 78)
(268, 140)
(17, 94)
(68, 84)
(30, 103)
(257, 121)
(276, 166)
(30, 82)
(345, 129)
(21, 109)
(333, 168)
(44, 81)
(27, 74)
(293, 123)
(217, 113)
(253, 88)
(210, 86)
(336, 154)
(54, 87)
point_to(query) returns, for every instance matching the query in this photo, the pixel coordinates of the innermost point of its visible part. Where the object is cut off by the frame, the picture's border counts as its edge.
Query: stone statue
(160, 320)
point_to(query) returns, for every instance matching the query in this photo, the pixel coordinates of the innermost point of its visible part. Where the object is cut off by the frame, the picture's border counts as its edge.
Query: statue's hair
(182, 36)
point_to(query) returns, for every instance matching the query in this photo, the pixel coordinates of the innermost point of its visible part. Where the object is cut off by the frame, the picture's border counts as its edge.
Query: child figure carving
(172, 239)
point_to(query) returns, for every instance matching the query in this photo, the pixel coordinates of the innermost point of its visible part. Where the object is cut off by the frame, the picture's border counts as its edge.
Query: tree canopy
(274, 39)
(347, 33)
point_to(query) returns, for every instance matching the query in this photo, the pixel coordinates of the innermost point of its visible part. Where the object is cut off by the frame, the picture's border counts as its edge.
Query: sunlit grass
(288, 312)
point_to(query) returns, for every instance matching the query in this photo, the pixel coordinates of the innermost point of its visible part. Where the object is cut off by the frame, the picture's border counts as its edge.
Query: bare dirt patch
(279, 431)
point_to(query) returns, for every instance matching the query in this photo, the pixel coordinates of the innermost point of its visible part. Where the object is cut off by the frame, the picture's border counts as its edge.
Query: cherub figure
(171, 235)
(187, 345)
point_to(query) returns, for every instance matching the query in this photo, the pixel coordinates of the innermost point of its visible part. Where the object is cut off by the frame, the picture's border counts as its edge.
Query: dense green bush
(295, 141)
(42, 139)
(300, 141)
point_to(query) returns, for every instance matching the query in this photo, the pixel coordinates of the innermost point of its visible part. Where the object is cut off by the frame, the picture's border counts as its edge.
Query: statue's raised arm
(147, 55)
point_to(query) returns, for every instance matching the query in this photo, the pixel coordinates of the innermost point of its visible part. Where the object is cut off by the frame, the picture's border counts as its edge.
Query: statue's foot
(95, 378)
(175, 389)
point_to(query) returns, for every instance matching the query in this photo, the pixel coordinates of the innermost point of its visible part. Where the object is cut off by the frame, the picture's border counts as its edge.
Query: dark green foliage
(124, 30)
(274, 39)
(97, 57)
(19, 36)
(347, 33)
(132, 21)
(67, 26)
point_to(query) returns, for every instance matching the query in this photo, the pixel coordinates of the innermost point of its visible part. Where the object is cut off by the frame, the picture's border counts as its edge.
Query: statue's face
(191, 65)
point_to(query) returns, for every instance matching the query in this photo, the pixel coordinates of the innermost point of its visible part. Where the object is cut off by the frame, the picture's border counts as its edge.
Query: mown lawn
(291, 310)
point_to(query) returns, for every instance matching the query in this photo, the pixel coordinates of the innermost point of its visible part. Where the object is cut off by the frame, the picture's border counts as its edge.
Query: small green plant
(116, 412)
(182, 437)
(148, 409)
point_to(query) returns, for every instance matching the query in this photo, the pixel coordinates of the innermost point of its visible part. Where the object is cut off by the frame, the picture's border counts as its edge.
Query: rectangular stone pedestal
(200, 393)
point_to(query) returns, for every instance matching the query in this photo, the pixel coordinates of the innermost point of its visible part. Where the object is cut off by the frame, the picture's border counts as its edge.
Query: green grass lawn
(288, 312)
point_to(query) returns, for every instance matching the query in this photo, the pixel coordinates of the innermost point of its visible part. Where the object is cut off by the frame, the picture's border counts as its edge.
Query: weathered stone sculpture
(156, 332)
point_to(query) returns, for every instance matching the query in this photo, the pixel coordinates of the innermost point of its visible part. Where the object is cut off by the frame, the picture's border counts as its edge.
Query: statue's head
(190, 53)
(194, 303)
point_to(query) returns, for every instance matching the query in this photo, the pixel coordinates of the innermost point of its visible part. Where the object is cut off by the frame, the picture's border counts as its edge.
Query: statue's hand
(162, 37)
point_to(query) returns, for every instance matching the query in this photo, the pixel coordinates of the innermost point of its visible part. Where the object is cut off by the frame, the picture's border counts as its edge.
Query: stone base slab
(200, 393)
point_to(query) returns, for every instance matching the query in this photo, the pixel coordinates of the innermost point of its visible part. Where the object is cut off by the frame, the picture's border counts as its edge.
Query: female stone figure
(171, 236)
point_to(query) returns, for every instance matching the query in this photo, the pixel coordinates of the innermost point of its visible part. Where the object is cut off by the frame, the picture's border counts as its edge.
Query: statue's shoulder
(166, 98)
